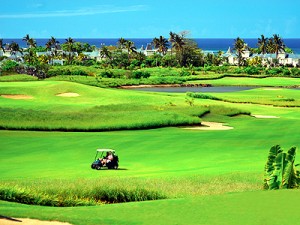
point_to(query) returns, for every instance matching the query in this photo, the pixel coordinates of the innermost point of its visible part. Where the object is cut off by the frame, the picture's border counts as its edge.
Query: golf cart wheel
(116, 167)
(98, 167)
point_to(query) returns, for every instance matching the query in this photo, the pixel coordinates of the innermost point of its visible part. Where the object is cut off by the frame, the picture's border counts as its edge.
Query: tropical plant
(171, 39)
(239, 47)
(26, 38)
(55, 45)
(278, 44)
(161, 44)
(70, 46)
(270, 45)
(121, 43)
(129, 45)
(262, 44)
(183, 47)
(1, 45)
(105, 53)
(14, 48)
(178, 43)
(280, 171)
(30, 42)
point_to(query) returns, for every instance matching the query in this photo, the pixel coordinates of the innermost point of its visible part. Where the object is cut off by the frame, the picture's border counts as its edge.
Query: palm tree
(121, 43)
(161, 44)
(105, 53)
(30, 57)
(14, 48)
(54, 43)
(30, 42)
(48, 45)
(239, 47)
(178, 43)
(171, 39)
(270, 45)
(70, 42)
(129, 45)
(26, 39)
(262, 44)
(278, 44)
(1, 45)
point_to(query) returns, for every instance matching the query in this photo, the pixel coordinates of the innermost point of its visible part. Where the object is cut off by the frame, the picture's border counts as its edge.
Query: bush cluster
(140, 74)
(9, 66)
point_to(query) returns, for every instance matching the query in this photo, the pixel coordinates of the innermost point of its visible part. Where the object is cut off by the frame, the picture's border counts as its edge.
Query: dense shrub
(286, 72)
(9, 66)
(252, 70)
(295, 72)
(107, 74)
(140, 74)
(274, 71)
(238, 71)
(184, 73)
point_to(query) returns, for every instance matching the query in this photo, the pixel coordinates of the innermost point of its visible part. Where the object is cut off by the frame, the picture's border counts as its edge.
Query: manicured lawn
(268, 208)
(207, 177)
(93, 109)
(267, 82)
(265, 96)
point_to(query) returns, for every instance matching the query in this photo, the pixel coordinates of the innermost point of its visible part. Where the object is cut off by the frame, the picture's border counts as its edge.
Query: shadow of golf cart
(105, 158)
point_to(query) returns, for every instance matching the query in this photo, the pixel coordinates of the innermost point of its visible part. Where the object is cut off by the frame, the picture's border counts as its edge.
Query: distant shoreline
(206, 44)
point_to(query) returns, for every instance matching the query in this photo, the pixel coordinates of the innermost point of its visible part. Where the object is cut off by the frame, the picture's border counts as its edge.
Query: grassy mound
(93, 109)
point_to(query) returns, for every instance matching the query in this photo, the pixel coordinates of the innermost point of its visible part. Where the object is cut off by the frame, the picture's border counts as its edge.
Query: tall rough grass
(116, 190)
(111, 117)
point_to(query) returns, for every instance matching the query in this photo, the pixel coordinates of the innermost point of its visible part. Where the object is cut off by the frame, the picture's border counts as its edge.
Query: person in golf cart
(108, 158)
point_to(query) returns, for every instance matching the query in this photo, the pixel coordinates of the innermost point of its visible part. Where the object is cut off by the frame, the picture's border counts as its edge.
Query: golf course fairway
(195, 176)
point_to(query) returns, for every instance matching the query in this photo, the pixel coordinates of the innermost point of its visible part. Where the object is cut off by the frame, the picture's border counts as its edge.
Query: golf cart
(105, 158)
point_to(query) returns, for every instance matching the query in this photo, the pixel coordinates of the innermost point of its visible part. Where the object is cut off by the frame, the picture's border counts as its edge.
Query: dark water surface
(195, 89)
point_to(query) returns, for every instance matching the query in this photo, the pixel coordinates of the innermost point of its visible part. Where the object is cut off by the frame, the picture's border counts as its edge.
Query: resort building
(283, 58)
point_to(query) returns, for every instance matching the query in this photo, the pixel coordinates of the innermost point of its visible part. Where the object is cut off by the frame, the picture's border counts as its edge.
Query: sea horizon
(206, 44)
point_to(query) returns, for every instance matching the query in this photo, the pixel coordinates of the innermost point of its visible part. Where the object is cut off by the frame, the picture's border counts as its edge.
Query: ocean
(211, 44)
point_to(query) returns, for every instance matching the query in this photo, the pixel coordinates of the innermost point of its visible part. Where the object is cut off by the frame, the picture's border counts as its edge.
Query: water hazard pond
(218, 89)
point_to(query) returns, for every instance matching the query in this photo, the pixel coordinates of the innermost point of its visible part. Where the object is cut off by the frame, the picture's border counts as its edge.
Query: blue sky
(149, 18)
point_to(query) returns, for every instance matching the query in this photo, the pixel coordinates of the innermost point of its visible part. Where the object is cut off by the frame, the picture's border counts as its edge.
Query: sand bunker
(17, 96)
(17, 221)
(272, 89)
(265, 117)
(68, 94)
(210, 126)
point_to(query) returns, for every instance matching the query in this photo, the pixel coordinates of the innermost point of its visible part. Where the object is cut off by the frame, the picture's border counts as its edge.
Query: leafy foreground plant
(280, 171)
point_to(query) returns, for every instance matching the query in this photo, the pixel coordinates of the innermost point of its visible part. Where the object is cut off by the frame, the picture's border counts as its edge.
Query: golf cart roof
(105, 150)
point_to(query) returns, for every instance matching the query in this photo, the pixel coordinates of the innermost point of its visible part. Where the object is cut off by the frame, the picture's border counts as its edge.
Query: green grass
(250, 81)
(275, 97)
(19, 77)
(268, 208)
(206, 177)
(95, 109)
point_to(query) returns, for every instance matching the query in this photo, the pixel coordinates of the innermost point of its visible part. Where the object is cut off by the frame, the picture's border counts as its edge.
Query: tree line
(178, 50)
